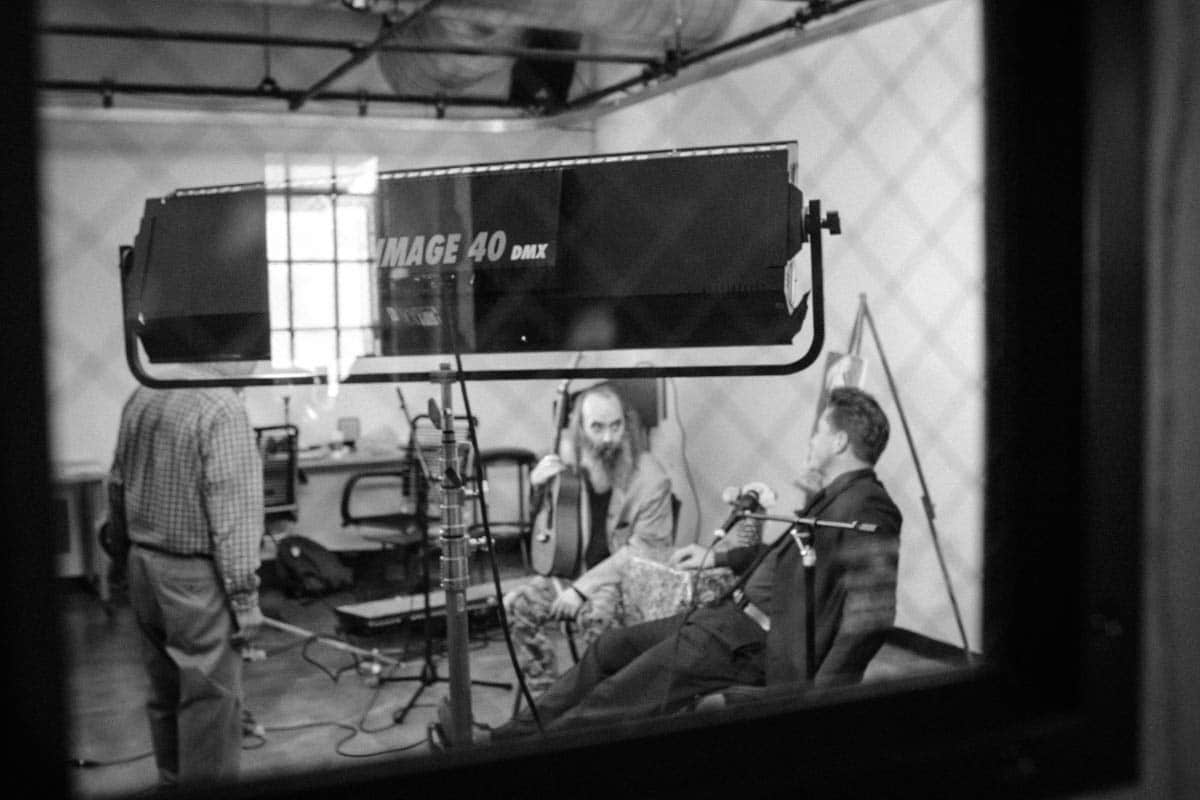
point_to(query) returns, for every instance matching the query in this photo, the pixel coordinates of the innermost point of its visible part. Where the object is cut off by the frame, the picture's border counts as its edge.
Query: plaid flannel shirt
(190, 476)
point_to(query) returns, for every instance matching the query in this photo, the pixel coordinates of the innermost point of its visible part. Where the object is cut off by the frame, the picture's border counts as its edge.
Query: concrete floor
(319, 710)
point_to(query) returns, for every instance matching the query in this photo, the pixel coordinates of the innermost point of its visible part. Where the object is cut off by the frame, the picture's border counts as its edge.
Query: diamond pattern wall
(889, 125)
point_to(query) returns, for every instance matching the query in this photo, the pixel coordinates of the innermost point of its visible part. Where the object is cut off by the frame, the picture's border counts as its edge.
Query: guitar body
(556, 549)
(556, 546)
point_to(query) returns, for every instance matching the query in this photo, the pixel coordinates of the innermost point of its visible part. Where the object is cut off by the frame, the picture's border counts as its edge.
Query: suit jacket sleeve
(737, 558)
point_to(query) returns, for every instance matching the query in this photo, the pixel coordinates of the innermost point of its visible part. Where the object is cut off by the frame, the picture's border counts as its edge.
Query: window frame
(291, 261)
(1055, 707)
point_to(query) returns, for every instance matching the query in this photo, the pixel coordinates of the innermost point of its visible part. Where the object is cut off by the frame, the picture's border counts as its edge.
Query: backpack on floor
(307, 569)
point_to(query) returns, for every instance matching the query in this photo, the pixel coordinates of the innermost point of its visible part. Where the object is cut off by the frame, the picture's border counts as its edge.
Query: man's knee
(613, 649)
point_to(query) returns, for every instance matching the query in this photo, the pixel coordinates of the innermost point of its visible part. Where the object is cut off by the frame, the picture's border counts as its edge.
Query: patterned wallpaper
(889, 125)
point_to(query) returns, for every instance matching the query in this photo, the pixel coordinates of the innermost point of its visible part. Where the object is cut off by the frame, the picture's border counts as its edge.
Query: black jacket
(854, 587)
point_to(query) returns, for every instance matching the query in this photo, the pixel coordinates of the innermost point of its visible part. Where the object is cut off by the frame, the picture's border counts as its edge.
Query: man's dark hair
(856, 412)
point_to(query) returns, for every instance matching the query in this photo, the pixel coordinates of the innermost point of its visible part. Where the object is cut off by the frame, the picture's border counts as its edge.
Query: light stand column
(455, 713)
(864, 313)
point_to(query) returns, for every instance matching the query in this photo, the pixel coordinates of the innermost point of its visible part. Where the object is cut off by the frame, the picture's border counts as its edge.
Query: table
(77, 502)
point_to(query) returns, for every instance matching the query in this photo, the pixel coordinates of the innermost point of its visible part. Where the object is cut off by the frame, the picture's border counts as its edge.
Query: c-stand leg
(864, 313)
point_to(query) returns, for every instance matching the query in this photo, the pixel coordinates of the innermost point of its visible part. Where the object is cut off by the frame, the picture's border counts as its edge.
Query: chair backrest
(363, 490)
(506, 491)
(400, 498)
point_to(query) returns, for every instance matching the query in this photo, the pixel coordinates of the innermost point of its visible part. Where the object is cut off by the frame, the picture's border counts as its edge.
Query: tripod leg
(399, 714)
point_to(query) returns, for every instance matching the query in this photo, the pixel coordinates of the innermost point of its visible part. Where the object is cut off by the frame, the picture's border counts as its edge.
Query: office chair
(410, 508)
(505, 489)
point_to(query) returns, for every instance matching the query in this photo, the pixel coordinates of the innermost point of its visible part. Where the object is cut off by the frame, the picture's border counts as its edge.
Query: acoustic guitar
(557, 543)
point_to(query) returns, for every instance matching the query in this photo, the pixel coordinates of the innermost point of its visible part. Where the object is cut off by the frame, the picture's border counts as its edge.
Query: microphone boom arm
(865, 527)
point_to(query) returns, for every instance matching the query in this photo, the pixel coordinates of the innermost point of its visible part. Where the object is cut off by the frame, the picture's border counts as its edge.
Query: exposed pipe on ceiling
(390, 31)
(638, 20)
(649, 21)
(837, 18)
(107, 90)
(660, 24)
(142, 33)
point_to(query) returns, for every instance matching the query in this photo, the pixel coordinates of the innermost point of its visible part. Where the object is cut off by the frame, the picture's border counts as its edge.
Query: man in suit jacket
(757, 635)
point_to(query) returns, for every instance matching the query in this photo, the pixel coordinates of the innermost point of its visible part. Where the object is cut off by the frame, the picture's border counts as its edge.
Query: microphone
(746, 501)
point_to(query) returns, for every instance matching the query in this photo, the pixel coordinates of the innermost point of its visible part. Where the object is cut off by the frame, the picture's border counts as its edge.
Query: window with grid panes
(320, 212)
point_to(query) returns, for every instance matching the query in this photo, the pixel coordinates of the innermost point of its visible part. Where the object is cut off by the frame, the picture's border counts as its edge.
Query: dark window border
(1055, 710)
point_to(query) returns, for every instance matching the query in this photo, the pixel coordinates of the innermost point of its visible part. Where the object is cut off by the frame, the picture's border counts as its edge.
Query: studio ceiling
(423, 58)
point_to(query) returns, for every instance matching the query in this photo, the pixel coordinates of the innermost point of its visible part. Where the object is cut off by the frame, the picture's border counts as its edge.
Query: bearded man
(626, 510)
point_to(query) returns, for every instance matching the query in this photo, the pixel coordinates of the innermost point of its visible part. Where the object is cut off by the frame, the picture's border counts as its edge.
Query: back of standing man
(186, 488)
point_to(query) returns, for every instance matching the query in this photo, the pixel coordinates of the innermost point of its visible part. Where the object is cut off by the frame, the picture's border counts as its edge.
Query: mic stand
(803, 535)
(455, 547)
(455, 713)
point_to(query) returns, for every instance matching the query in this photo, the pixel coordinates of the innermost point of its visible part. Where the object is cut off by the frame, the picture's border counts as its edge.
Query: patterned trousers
(528, 610)
(609, 606)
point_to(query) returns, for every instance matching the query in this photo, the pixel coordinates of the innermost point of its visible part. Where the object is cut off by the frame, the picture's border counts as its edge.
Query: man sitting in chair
(627, 515)
(757, 634)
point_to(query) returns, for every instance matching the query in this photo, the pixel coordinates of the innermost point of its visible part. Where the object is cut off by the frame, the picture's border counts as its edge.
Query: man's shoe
(515, 728)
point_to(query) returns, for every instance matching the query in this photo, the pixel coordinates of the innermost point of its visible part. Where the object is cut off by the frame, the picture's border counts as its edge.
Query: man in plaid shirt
(186, 487)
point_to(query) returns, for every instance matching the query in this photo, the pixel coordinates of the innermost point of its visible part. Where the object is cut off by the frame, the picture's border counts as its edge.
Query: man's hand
(546, 469)
(248, 623)
(746, 533)
(691, 556)
(567, 604)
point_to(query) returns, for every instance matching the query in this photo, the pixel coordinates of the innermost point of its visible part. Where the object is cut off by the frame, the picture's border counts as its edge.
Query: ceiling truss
(836, 17)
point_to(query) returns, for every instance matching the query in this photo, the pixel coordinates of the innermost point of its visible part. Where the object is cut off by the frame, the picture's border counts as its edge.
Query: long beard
(608, 465)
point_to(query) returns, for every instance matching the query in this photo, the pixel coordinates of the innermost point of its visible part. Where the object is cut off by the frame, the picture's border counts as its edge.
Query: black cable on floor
(352, 732)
